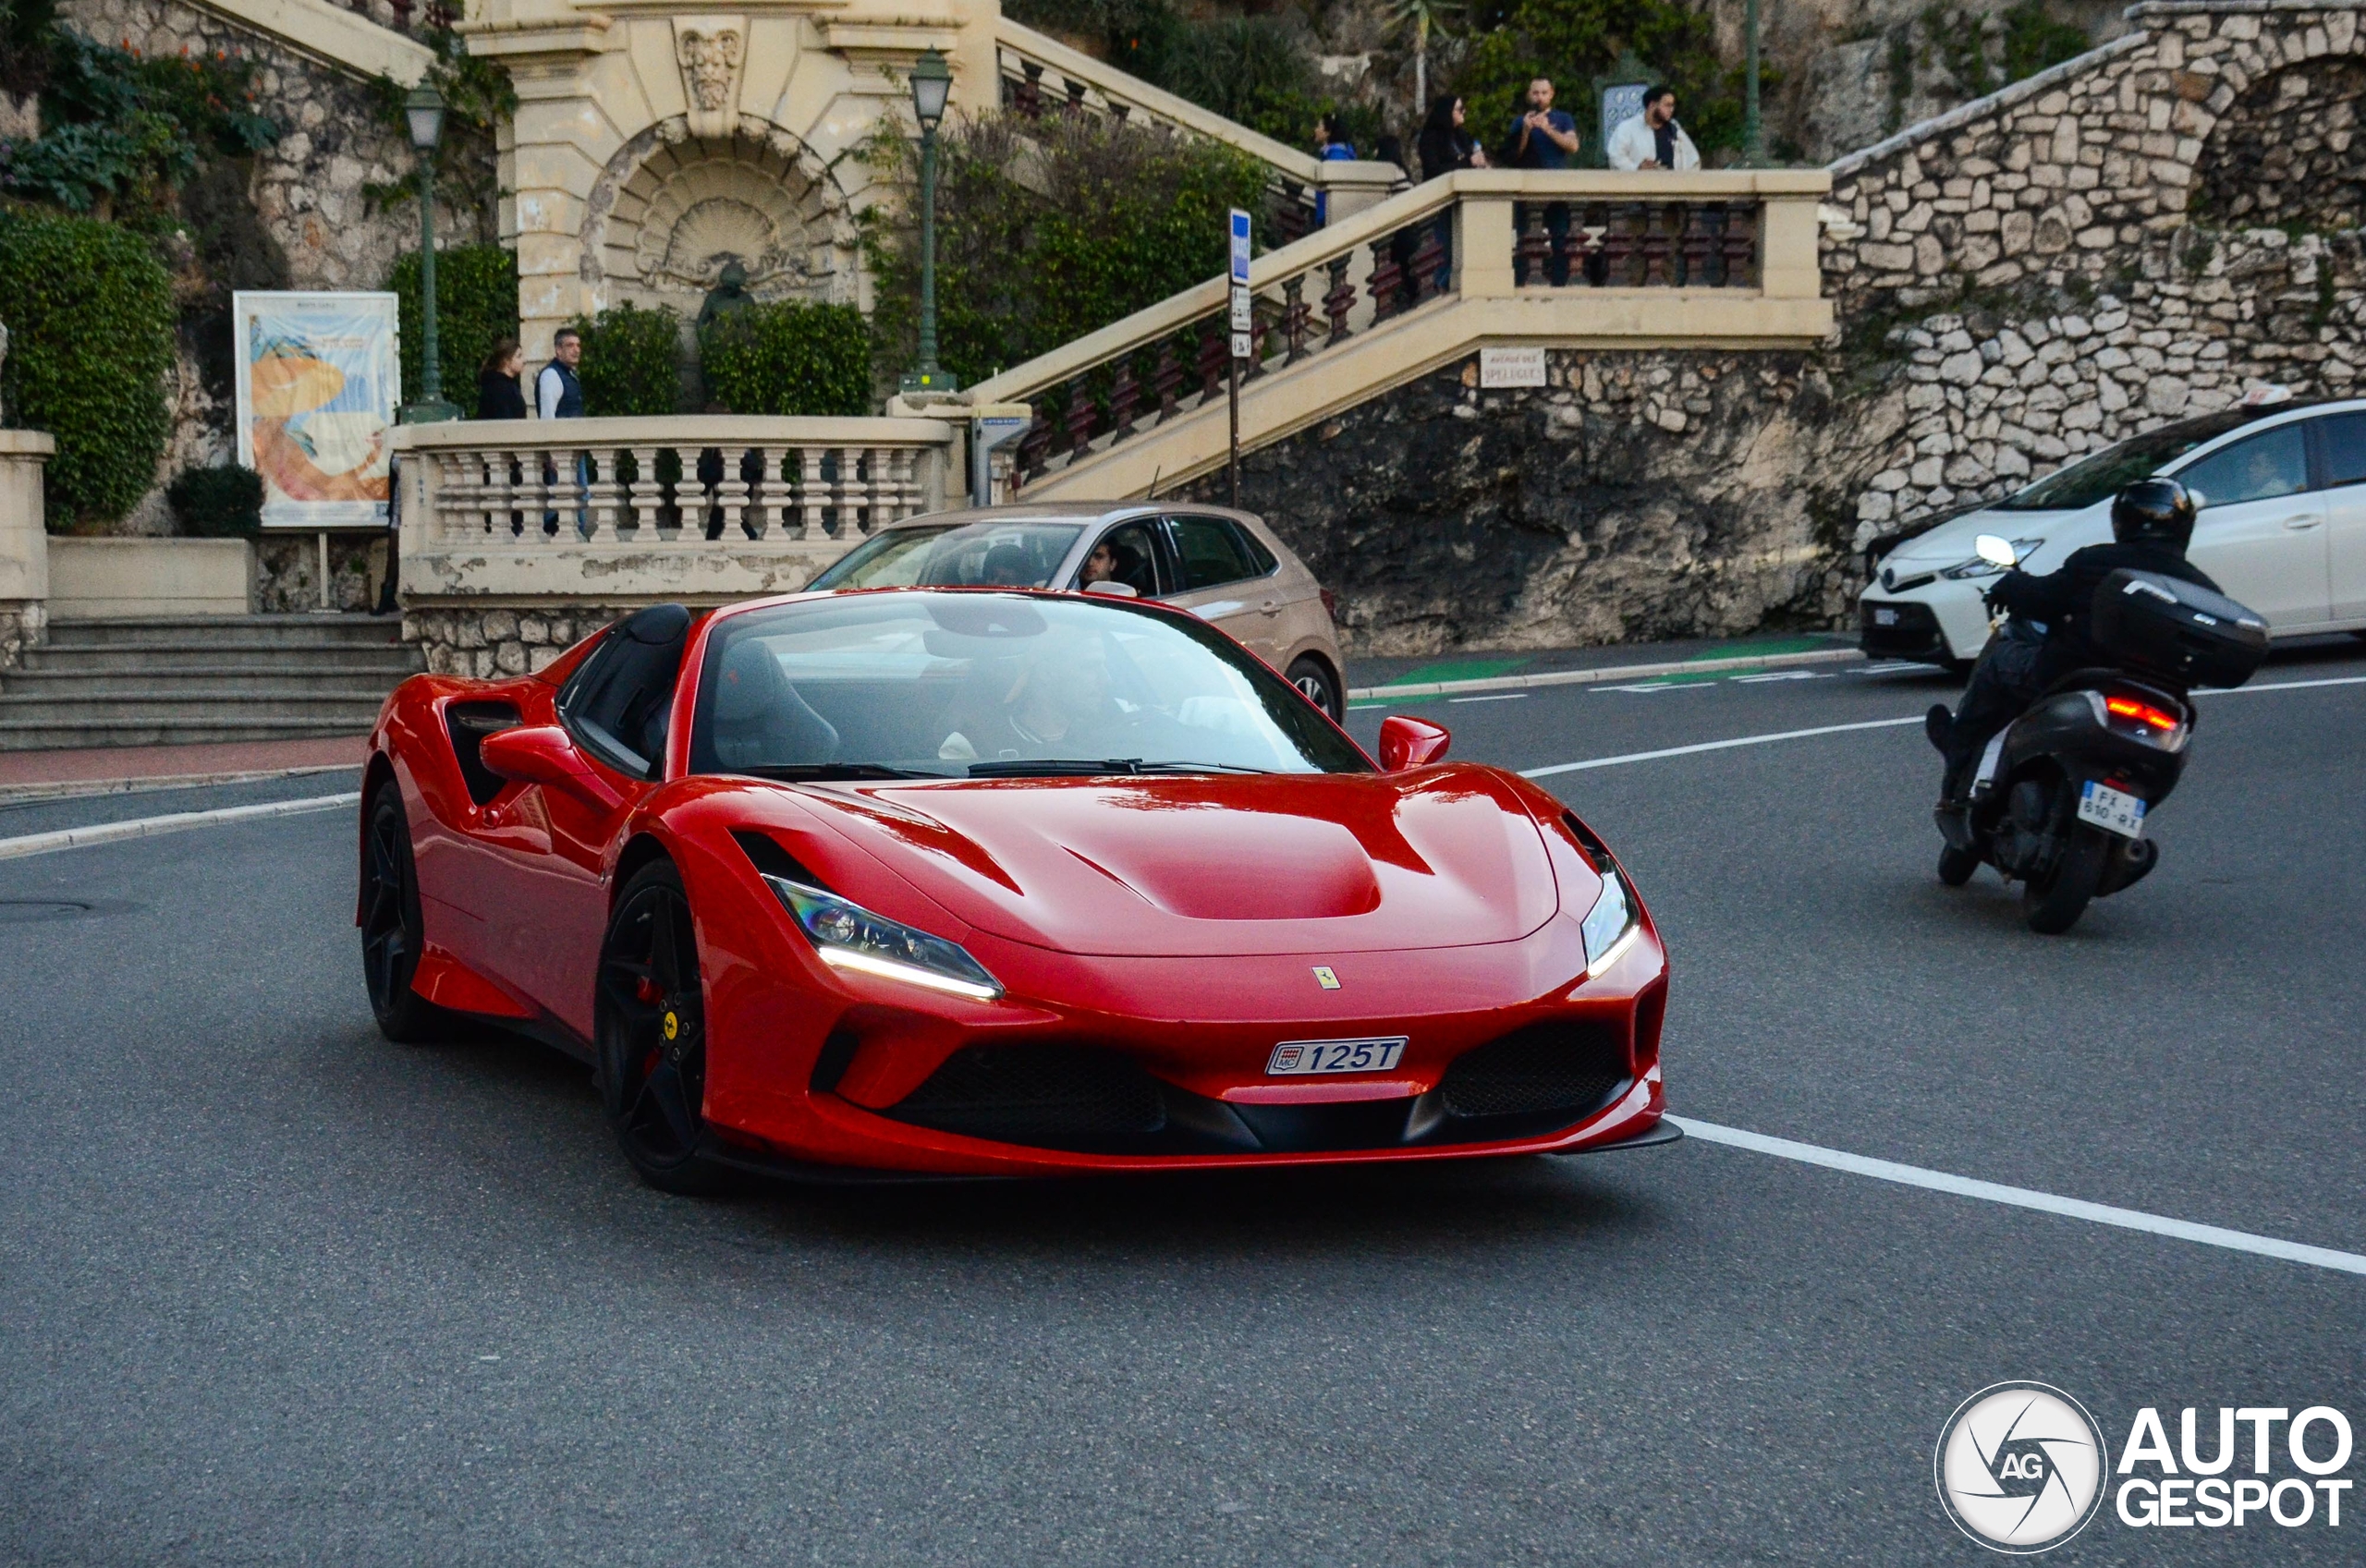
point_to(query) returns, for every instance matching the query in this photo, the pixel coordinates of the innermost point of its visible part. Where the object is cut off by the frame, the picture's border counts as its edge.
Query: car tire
(392, 935)
(1313, 678)
(1956, 866)
(2055, 907)
(649, 1026)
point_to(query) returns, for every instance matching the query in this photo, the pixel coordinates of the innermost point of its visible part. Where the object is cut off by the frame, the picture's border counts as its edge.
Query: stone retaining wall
(2039, 270)
(492, 642)
(1640, 495)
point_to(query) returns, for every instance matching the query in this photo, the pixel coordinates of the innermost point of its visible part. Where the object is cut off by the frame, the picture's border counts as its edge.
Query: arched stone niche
(670, 209)
(2288, 150)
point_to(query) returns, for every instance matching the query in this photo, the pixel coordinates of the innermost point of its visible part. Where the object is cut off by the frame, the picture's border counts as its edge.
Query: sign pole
(1233, 469)
(1243, 325)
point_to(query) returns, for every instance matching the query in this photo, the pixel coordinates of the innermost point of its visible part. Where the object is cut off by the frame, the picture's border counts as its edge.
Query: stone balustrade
(1482, 256)
(607, 515)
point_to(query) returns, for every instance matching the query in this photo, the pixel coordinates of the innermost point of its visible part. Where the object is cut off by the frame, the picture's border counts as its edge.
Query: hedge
(89, 314)
(632, 361)
(791, 357)
(476, 305)
(225, 503)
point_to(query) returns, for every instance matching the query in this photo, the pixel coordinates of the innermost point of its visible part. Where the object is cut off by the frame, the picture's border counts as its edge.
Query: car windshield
(2106, 473)
(969, 684)
(995, 554)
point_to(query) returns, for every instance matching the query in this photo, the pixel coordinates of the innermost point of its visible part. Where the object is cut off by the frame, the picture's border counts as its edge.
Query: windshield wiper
(807, 772)
(1079, 767)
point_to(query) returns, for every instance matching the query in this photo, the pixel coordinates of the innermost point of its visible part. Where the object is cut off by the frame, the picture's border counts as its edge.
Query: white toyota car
(2282, 529)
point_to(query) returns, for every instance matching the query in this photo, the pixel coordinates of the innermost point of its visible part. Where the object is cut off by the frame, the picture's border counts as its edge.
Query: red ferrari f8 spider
(985, 883)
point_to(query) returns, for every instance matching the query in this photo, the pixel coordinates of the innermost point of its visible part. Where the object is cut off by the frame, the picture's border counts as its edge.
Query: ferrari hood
(1204, 866)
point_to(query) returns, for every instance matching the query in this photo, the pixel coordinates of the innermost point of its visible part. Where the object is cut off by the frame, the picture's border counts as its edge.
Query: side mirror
(1408, 742)
(1994, 550)
(543, 754)
(1114, 590)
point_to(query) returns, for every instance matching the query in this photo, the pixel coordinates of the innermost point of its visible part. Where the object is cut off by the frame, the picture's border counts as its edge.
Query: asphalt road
(273, 1290)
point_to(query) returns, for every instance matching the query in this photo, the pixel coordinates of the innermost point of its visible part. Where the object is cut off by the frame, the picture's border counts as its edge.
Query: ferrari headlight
(1612, 924)
(847, 936)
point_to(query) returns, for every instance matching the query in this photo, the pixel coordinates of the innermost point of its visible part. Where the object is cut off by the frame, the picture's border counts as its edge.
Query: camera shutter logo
(2020, 1467)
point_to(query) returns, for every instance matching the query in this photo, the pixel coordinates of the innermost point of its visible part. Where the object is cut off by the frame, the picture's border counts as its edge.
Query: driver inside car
(2152, 522)
(1058, 707)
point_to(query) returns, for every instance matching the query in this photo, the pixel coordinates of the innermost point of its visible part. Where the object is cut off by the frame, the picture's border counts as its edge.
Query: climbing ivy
(476, 305)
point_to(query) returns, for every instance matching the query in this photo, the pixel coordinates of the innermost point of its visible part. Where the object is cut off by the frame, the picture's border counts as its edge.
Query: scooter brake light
(2142, 712)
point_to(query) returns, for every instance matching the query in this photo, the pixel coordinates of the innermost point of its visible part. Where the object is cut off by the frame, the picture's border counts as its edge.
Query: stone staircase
(170, 679)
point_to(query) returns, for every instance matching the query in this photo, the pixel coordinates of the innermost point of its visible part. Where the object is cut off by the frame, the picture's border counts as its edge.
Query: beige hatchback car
(1225, 566)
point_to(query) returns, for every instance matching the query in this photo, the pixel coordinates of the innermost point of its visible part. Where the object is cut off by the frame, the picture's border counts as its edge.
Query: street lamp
(1753, 136)
(931, 84)
(424, 110)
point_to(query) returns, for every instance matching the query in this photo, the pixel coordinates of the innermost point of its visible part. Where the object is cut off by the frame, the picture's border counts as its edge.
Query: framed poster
(319, 379)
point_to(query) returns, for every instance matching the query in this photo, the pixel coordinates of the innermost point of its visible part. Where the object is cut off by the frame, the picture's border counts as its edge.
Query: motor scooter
(2059, 800)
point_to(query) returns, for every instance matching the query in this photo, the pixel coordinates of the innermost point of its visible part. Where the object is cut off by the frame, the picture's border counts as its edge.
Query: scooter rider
(2152, 521)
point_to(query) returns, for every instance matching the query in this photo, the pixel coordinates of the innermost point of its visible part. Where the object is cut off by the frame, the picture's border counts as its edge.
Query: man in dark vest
(558, 395)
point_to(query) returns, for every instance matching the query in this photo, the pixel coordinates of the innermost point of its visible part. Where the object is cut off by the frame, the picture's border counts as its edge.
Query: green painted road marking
(1457, 670)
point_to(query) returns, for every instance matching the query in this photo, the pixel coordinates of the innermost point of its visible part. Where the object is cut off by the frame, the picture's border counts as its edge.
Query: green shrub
(632, 361)
(90, 314)
(1049, 229)
(476, 305)
(225, 503)
(1252, 70)
(131, 128)
(1572, 42)
(792, 358)
(2035, 41)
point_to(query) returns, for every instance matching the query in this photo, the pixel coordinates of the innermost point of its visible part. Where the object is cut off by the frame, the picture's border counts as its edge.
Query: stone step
(294, 678)
(231, 631)
(37, 735)
(387, 665)
(360, 706)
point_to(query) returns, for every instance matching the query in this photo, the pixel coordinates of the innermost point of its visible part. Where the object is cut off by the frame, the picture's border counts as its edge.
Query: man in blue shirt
(1544, 137)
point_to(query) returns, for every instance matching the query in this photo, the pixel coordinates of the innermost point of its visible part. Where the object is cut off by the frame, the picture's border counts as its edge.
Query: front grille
(1042, 1096)
(1564, 1068)
(1898, 630)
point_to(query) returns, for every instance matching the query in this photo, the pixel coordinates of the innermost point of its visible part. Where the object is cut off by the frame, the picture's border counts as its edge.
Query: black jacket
(1444, 149)
(498, 396)
(2061, 598)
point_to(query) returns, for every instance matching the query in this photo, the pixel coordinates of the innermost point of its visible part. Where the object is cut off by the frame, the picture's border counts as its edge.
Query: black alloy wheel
(652, 1026)
(392, 932)
(1313, 678)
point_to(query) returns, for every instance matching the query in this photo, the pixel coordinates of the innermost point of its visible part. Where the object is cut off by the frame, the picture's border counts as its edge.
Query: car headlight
(1976, 568)
(847, 936)
(1614, 922)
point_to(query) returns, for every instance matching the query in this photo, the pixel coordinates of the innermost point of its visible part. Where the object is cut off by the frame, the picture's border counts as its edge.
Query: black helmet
(2157, 511)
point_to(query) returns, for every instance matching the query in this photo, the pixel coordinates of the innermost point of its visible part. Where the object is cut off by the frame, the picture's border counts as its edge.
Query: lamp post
(424, 110)
(1753, 136)
(931, 84)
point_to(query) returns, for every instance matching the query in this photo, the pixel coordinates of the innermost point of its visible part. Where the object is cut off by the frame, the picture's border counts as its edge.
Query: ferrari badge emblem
(1325, 978)
(673, 1026)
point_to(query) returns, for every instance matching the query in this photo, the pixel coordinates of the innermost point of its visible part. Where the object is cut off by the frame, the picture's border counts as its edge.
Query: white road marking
(1843, 729)
(178, 821)
(2025, 1197)
(2279, 686)
(1661, 686)
(1713, 746)
(1778, 675)
(1493, 697)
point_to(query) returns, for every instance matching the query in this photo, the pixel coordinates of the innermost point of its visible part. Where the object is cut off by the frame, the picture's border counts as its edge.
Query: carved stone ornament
(710, 50)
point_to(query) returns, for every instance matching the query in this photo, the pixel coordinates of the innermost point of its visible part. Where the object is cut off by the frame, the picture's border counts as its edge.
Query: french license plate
(1885, 617)
(2111, 809)
(1303, 1058)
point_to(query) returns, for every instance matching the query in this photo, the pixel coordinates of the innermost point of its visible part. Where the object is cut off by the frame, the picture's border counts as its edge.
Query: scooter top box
(2179, 631)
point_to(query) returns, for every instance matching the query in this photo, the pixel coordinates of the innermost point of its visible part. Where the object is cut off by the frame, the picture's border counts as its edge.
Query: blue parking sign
(1239, 245)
